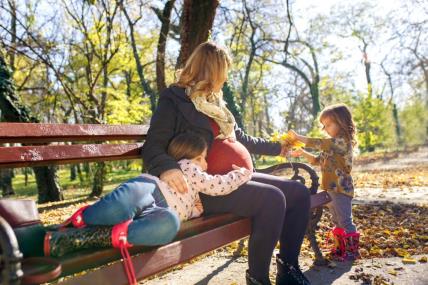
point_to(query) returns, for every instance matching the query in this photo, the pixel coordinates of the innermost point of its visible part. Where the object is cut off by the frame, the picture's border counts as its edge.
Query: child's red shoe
(352, 245)
(337, 243)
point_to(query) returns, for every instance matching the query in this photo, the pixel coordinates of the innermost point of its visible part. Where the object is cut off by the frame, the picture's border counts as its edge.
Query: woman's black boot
(253, 281)
(288, 274)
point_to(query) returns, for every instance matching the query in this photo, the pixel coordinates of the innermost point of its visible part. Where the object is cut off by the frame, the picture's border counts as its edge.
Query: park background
(106, 62)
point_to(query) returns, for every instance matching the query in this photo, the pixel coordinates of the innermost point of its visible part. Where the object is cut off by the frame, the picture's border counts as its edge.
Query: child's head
(189, 146)
(337, 121)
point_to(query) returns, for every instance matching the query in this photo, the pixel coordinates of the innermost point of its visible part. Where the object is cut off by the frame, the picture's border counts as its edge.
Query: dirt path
(404, 160)
(226, 270)
(223, 269)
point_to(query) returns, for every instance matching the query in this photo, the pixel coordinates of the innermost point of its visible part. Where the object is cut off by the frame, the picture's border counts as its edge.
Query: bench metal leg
(10, 256)
(310, 233)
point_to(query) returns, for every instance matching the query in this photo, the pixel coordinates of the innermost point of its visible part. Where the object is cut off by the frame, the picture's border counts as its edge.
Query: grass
(71, 188)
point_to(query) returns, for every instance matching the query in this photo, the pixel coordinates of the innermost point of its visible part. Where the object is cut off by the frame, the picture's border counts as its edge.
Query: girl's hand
(235, 167)
(175, 179)
(243, 170)
(293, 135)
(296, 153)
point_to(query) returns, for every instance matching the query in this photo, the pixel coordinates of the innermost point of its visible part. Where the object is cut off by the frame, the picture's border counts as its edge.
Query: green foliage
(374, 121)
(414, 121)
(128, 110)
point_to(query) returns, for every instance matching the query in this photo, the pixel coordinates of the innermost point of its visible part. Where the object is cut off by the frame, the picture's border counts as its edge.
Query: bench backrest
(44, 144)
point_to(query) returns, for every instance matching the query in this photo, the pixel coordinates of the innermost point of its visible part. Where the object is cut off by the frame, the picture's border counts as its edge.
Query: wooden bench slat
(38, 133)
(83, 260)
(166, 256)
(62, 154)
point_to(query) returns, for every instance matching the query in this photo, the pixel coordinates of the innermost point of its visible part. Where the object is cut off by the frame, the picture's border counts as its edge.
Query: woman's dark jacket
(176, 114)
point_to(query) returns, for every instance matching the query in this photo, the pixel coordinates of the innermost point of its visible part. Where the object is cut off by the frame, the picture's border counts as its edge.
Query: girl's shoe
(337, 242)
(352, 245)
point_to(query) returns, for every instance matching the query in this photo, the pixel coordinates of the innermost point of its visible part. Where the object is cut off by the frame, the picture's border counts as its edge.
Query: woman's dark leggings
(264, 199)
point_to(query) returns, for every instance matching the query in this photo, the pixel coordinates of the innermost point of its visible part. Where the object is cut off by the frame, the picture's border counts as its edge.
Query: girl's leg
(122, 204)
(296, 218)
(342, 205)
(333, 213)
(265, 204)
(155, 226)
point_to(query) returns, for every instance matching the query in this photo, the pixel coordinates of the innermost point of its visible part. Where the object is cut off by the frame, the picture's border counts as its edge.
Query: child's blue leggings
(139, 199)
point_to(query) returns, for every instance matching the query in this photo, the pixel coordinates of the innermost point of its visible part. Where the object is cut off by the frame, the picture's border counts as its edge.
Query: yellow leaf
(423, 259)
(402, 252)
(409, 260)
(392, 272)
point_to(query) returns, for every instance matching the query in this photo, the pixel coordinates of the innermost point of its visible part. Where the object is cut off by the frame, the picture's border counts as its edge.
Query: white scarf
(214, 107)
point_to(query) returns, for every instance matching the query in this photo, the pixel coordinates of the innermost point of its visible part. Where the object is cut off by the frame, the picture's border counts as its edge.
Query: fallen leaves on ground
(368, 278)
(387, 230)
(416, 176)
(384, 156)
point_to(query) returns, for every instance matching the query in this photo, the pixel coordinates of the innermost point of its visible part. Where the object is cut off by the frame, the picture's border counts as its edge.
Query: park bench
(21, 232)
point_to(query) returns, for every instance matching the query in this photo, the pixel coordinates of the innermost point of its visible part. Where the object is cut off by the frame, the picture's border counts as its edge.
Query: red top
(225, 152)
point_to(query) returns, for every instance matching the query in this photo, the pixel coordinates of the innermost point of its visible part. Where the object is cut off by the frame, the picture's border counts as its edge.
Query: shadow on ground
(322, 275)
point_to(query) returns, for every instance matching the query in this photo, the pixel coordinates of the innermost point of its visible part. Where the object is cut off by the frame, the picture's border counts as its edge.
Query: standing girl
(335, 161)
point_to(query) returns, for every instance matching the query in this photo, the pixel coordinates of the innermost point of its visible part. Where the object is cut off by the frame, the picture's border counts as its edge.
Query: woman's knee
(274, 200)
(297, 190)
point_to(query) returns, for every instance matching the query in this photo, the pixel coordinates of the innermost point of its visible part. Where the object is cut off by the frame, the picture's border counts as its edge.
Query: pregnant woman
(278, 208)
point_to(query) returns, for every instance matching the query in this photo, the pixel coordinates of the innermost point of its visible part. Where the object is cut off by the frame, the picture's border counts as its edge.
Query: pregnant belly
(224, 153)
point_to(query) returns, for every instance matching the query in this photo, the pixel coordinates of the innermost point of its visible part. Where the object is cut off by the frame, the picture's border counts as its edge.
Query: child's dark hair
(187, 146)
(341, 114)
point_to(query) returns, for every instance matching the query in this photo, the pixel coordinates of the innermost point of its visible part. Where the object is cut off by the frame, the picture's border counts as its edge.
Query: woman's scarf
(214, 107)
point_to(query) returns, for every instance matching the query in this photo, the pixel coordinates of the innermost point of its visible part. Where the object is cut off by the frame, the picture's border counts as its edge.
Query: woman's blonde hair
(187, 145)
(341, 115)
(205, 69)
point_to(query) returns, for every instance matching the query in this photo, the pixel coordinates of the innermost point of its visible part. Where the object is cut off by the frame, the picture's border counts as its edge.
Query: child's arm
(215, 185)
(320, 144)
(312, 159)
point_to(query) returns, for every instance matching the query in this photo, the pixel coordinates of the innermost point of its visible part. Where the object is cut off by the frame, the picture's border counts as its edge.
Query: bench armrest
(297, 167)
(11, 257)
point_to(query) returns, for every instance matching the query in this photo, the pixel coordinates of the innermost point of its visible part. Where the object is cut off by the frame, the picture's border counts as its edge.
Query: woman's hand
(175, 179)
(284, 149)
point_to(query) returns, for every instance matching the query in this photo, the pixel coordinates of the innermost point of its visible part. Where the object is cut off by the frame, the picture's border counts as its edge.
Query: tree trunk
(367, 67)
(47, 184)
(12, 111)
(26, 172)
(13, 20)
(196, 20)
(73, 172)
(315, 96)
(99, 175)
(160, 57)
(267, 116)
(6, 182)
(140, 69)
(397, 124)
